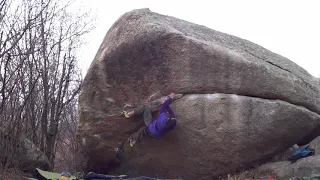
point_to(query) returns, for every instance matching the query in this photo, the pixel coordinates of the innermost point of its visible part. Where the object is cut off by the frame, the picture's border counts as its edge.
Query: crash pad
(44, 175)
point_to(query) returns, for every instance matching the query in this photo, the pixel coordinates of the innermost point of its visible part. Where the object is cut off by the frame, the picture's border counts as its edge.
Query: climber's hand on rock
(172, 95)
(162, 100)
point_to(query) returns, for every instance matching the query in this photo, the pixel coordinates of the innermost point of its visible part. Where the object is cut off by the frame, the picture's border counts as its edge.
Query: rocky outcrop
(21, 152)
(34, 157)
(242, 104)
(315, 144)
(303, 168)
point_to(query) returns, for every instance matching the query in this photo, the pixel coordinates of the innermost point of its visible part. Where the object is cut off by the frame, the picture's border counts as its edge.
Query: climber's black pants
(146, 112)
(147, 118)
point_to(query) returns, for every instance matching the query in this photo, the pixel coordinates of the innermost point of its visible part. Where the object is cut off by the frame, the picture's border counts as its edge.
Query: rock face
(315, 144)
(34, 158)
(242, 104)
(26, 155)
(303, 168)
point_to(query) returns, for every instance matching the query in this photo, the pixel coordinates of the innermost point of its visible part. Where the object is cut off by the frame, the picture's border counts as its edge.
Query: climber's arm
(171, 113)
(165, 105)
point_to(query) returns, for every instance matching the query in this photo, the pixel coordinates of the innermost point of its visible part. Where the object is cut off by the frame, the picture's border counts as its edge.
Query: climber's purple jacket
(158, 127)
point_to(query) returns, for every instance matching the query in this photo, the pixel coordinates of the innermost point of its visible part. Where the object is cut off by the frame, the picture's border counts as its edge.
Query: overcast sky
(287, 27)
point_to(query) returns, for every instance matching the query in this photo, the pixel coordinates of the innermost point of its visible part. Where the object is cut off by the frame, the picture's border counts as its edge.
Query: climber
(155, 128)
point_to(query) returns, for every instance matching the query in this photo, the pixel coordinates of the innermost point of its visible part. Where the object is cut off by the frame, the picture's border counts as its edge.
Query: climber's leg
(147, 118)
(137, 136)
(142, 110)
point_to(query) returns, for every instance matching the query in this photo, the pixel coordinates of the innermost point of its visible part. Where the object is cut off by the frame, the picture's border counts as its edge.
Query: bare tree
(66, 146)
(12, 66)
(39, 77)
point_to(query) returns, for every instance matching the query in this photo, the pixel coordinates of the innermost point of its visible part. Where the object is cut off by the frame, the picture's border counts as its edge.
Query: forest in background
(39, 79)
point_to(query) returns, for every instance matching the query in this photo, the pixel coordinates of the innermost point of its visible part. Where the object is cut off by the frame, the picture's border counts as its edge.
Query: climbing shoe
(136, 137)
(132, 143)
(126, 114)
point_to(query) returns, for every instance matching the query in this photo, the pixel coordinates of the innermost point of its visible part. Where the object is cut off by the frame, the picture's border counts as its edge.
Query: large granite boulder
(242, 104)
